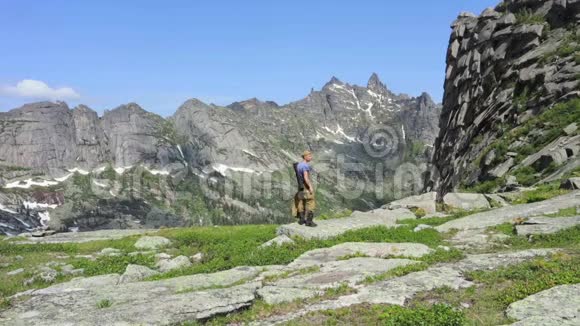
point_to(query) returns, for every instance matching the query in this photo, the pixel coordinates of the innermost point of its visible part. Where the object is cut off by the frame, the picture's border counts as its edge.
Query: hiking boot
(309, 219)
(301, 219)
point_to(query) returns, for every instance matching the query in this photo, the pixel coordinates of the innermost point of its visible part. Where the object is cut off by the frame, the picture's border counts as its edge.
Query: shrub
(105, 303)
(527, 16)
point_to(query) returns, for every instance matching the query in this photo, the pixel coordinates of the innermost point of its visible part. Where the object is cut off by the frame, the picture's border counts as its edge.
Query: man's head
(307, 156)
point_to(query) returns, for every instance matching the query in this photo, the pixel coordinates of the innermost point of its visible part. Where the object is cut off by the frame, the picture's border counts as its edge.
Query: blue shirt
(301, 168)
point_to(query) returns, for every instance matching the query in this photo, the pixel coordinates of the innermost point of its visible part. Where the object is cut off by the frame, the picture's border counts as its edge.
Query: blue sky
(161, 53)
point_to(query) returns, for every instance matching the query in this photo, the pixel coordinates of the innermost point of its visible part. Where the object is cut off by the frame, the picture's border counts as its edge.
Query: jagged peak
(375, 83)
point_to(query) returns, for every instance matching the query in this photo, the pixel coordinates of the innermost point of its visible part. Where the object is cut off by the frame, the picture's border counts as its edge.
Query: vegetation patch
(105, 303)
(527, 16)
(540, 193)
(366, 314)
(485, 303)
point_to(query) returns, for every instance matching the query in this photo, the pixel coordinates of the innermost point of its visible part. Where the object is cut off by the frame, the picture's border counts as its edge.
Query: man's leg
(310, 206)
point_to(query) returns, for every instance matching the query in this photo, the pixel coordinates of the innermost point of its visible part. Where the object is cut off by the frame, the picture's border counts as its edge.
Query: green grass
(105, 303)
(438, 256)
(261, 310)
(541, 193)
(526, 16)
(505, 228)
(497, 289)
(569, 239)
(228, 247)
(486, 187)
(565, 212)
(551, 121)
(223, 248)
(365, 314)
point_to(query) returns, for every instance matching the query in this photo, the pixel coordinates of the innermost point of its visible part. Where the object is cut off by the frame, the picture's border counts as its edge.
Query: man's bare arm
(307, 181)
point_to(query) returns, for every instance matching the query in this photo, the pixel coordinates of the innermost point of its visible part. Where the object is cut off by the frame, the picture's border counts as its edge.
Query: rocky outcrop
(50, 136)
(509, 64)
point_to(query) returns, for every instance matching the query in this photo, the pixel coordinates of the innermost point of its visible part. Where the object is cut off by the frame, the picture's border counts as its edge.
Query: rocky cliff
(209, 164)
(511, 80)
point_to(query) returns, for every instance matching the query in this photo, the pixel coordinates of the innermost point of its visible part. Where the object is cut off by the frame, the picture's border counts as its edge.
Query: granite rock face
(503, 67)
(49, 136)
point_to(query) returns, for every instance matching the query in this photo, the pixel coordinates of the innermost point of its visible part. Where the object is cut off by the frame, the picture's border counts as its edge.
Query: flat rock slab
(400, 290)
(547, 225)
(358, 220)
(162, 302)
(318, 257)
(560, 304)
(507, 214)
(476, 239)
(81, 237)
(350, 272)
(277, 295)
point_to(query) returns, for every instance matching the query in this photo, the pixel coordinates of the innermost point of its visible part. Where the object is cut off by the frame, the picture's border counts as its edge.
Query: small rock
(48, 275)
(135, 273)
(197, 258)
(29, 281)
(4, 265)
(465, 305)
(279, 240)
(15, 272)
(152, 242)
(421, 227)
(173, 264)
(162, 256)
(143, 253)
(444, 248)
(18, 258)
(570, 130)
(67, 269)
(53, 264)
(110, 252)
(85, 257)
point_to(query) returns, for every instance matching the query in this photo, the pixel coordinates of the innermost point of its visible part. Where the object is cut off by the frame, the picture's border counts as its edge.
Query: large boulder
(135, 273)
(559, 305)
(466, 201)
(571, 183)
(178, 262)
(425, 201)
(152, 243)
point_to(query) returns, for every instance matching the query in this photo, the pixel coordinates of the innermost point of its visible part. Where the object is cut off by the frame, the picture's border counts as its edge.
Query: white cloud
(39, 90)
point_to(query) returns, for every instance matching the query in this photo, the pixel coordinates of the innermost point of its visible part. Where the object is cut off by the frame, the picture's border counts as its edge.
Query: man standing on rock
(304, 202)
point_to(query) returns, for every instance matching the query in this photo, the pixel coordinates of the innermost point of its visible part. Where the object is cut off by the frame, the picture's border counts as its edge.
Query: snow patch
(222, 169)
(157, 172)
(62, 179)
(249, 153)
(44, 218)
(80, 171)
(102, 185)
(121, 170)
(403, 129)
(34, 205)
(369, 112)
(3, 208)
(25, 184)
